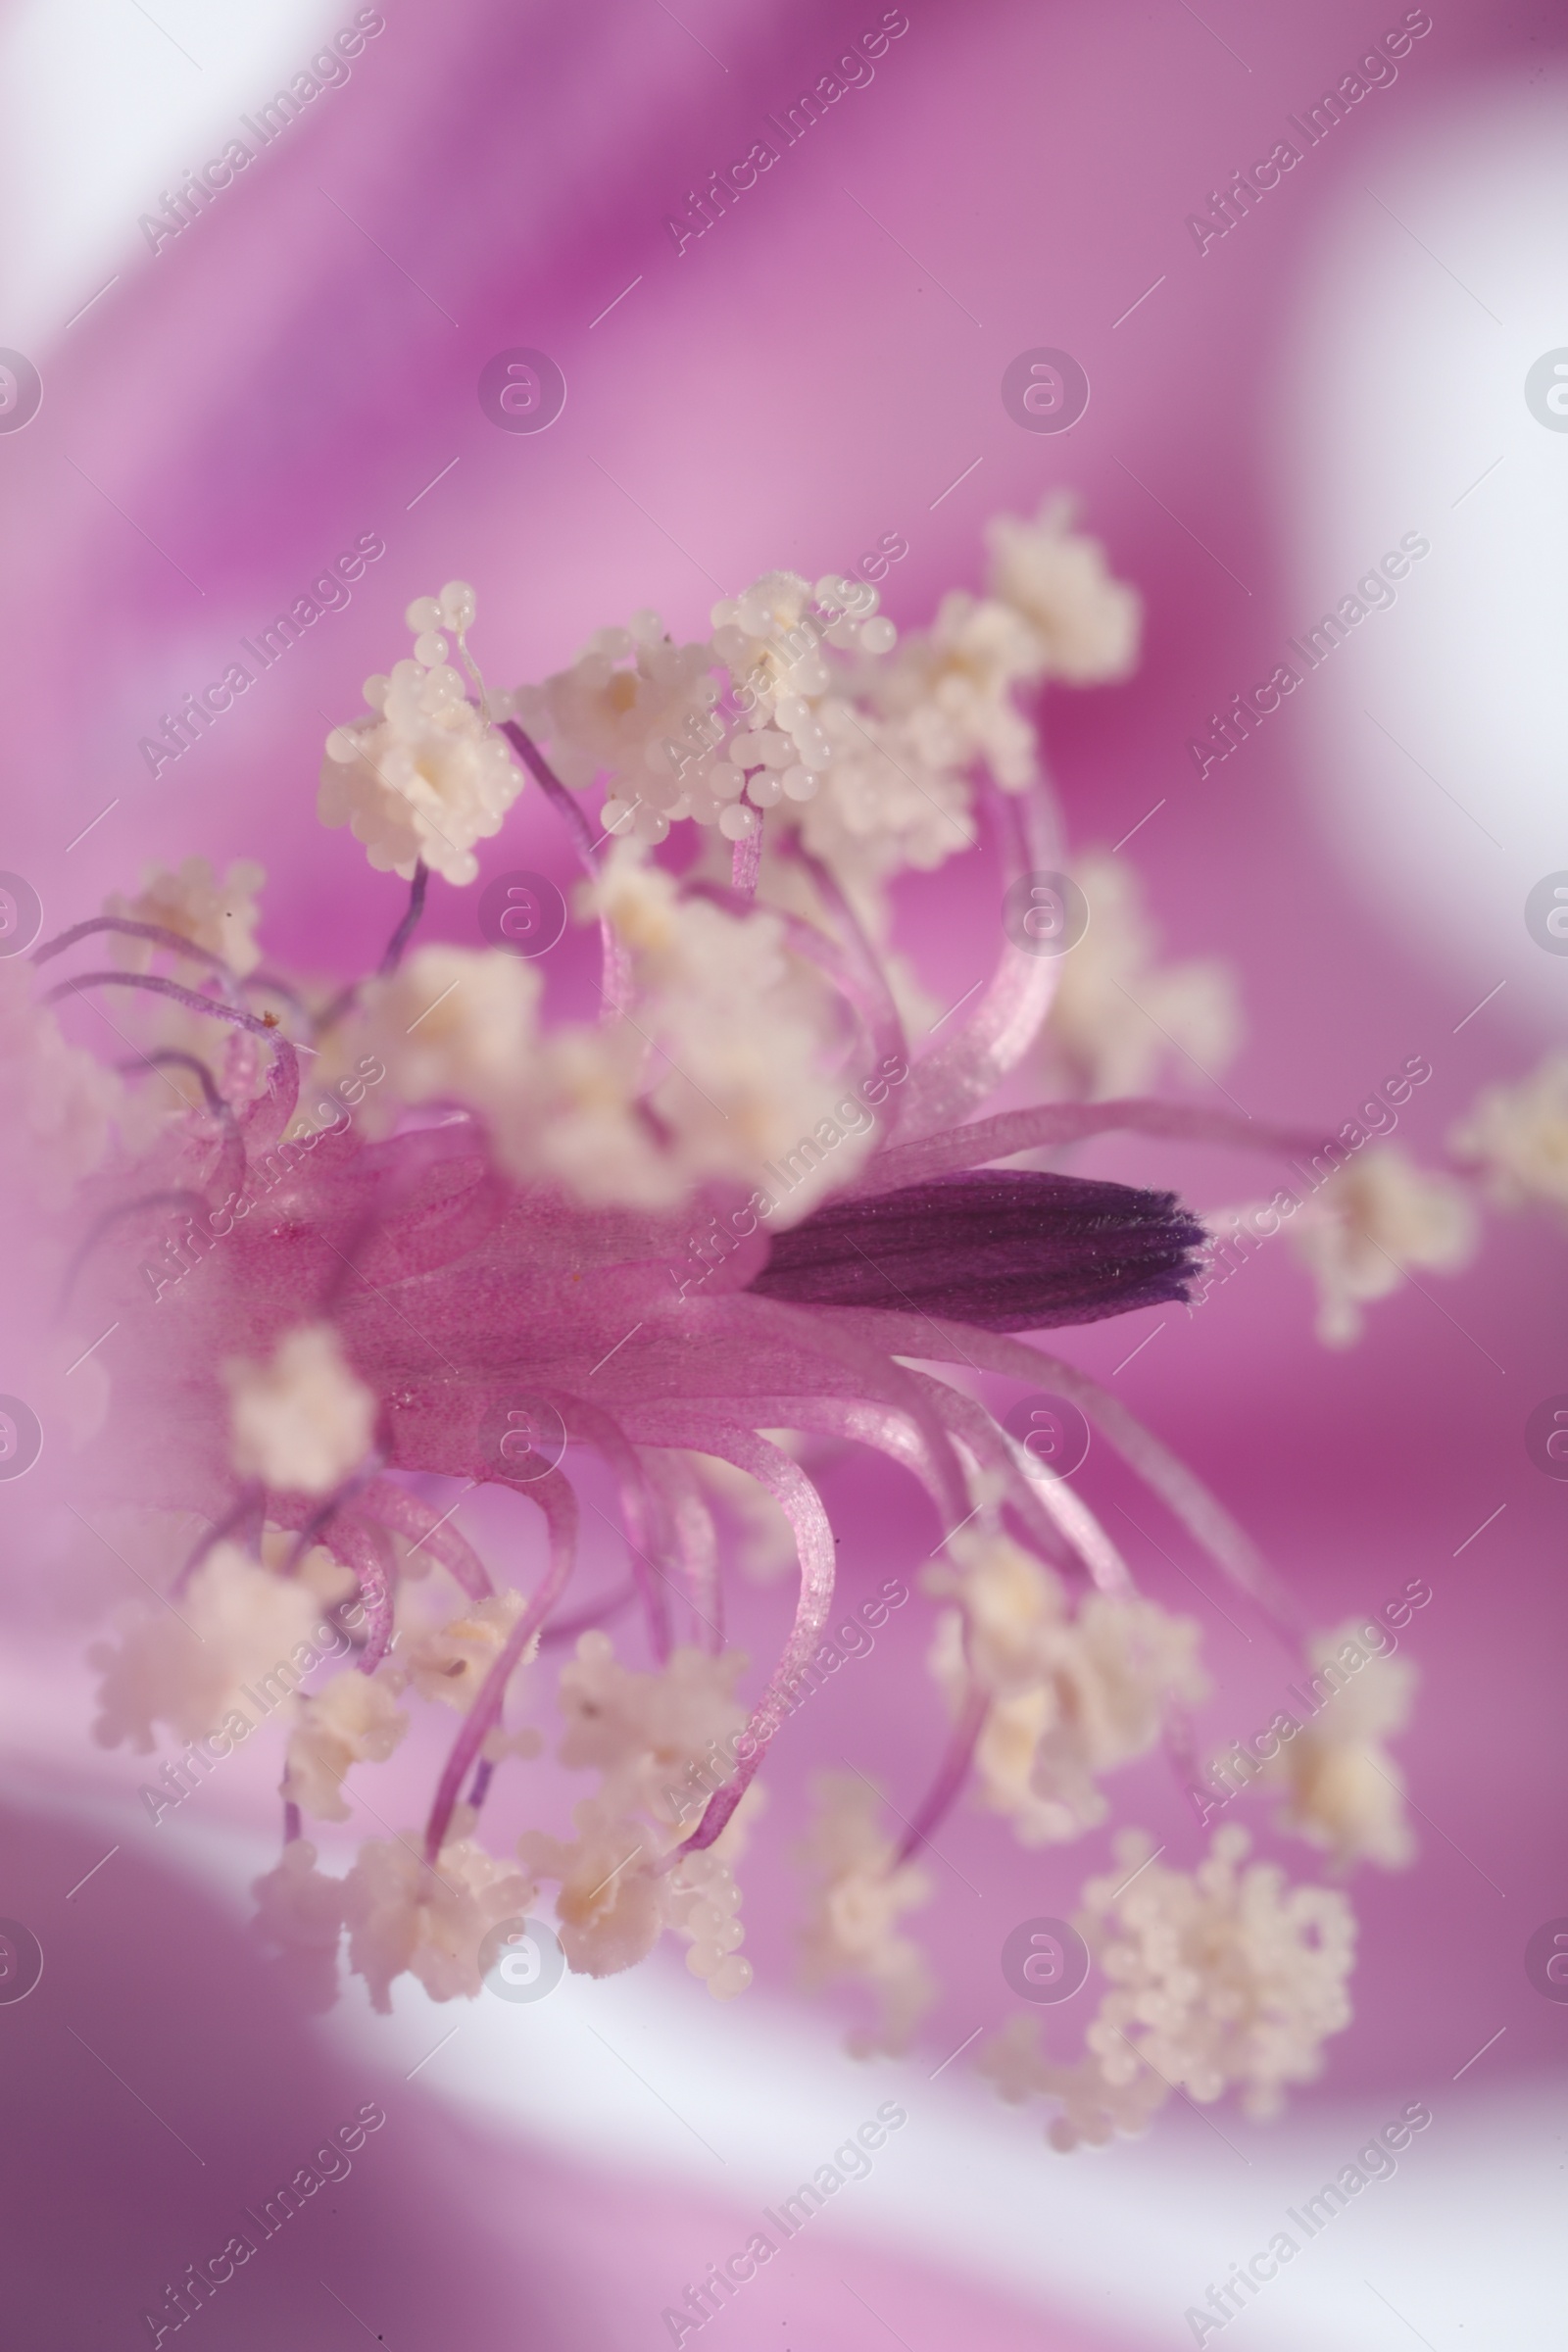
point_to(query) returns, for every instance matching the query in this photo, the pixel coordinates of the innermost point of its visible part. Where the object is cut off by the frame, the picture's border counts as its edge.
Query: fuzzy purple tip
(1003, 1250)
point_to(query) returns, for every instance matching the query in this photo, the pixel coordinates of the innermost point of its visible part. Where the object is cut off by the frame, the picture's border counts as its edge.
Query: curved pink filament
(358, 1547)
(125, 926)
(1046, 1125)
(156, 985)
(696, 1540)
(844, 1336)
(249, 1507)
(616, 984)
(554, 1498)
(884, 1020)
(802, 1506)
(951, 1775)
(890, 1429)
(971, 1061)
(420, 884)
(405, 1514)
(1028, 1496)
(641, 1509)
(1183, 1495)
(271, 1114)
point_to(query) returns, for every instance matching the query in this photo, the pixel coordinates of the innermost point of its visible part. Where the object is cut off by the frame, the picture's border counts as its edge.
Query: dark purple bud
(1004, 1250)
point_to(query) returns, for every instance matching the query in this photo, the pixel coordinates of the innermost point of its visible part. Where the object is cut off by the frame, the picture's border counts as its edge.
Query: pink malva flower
(416, 1226)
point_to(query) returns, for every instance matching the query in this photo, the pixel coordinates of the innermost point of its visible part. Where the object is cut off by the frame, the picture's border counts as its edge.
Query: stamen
(169, 1059)
(347, 998)
(559, 1503)
(174, 941)
(617, 982)
(406, 929)
(158, 987)
(566, 805)
(249, 1509)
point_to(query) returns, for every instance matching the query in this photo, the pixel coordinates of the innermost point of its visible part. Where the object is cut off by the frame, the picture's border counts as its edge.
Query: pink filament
(695, 1538)
(952, 1772)
(889, 1429)
(843, 1338)
(987, 1443)
(597, 1613)
(267, 1118)
(973, 1060)
(124, 927)
(616, 984)
(1087, 1537)
(356, 1545)
(1184, 1495)
(395, 1508)
(641, 1509)
(1051, 1499)
(802, 1506)
(554, 1498)
(1050, 1124)
(883, 1020)
(251, 1507)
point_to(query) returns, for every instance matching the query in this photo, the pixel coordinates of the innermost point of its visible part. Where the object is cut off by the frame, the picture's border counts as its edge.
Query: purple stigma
(1003, 1250)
